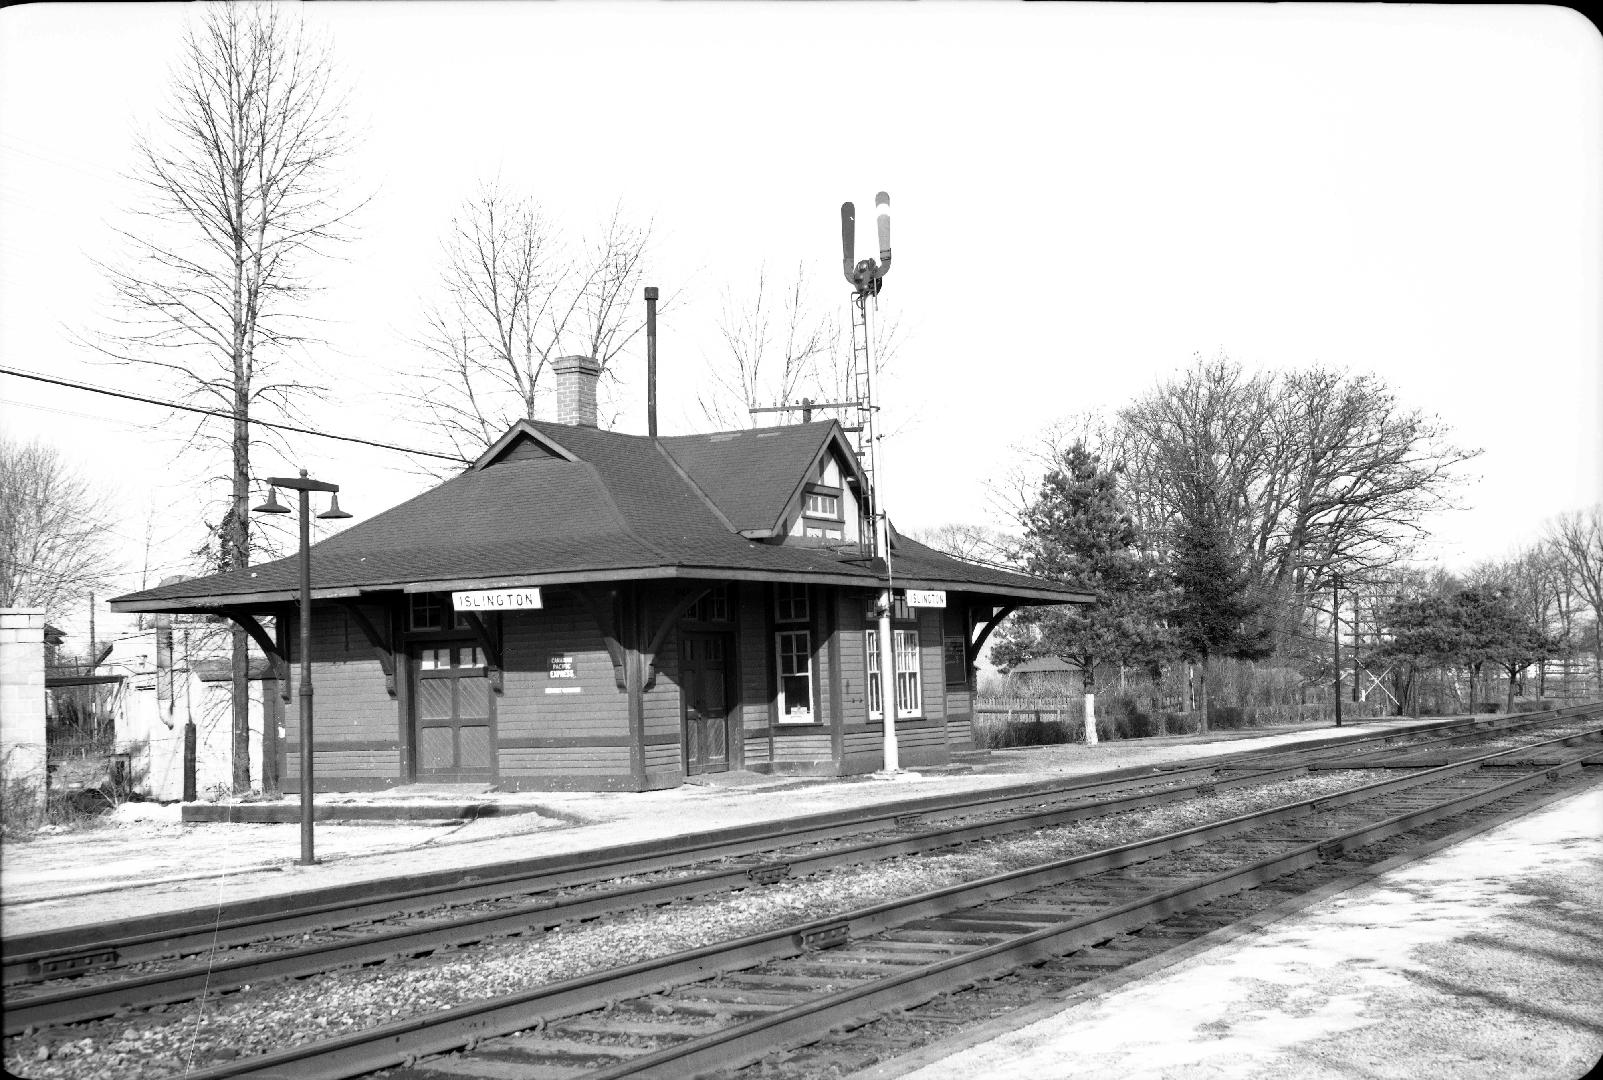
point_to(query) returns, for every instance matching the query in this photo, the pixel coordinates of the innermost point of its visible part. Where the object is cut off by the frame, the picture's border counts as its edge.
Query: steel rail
(29, 958)
(752, 1040)
(466, 1024)
(32, 958)
(80, 1003)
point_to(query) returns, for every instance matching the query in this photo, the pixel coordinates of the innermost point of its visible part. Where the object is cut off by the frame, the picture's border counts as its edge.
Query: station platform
(1481, 961)
(156, 858)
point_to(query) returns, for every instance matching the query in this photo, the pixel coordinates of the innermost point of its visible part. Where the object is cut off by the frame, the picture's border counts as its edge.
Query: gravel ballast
(258, 1020)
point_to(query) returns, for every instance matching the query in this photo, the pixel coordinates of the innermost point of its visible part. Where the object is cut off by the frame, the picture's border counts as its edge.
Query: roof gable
(755, 476)
(521, 442)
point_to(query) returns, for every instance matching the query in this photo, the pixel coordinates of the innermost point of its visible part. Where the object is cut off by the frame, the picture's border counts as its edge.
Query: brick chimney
(576, 389)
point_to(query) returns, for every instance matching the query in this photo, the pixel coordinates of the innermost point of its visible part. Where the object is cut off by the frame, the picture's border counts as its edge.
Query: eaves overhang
(201, 603)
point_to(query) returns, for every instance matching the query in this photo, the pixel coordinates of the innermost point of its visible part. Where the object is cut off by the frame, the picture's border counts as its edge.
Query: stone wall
(22, 696)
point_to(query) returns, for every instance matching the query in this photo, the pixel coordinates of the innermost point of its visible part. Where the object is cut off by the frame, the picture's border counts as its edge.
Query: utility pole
(1357, 691)
(1335, 636)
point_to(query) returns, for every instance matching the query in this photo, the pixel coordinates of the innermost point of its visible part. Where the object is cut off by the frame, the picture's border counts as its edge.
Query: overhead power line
(125, 395)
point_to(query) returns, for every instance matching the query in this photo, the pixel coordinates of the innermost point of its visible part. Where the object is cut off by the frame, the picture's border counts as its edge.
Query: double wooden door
(704, 678)
(452, 713)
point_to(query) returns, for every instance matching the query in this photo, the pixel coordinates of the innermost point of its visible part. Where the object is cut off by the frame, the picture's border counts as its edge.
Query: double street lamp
(305, 485)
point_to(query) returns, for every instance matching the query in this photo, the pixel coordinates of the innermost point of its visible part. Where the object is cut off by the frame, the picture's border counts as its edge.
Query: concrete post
(22, 699)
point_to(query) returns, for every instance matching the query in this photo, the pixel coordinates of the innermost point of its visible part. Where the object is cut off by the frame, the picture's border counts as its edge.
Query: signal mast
(866, 278)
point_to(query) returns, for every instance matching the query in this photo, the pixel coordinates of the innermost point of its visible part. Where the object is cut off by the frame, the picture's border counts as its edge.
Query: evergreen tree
(1214, 613)
(1078, 532)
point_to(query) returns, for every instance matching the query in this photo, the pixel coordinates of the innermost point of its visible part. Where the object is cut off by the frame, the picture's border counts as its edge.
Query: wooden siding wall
(959, 699)
(580, 740)
(355, 726)
(921, 741)
(754, 685)
(663, 753)
(560, 741)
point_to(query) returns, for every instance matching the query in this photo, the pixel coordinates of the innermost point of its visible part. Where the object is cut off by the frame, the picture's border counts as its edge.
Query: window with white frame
(795, 656)
(822, 504)
(909, 691)
(790, 602)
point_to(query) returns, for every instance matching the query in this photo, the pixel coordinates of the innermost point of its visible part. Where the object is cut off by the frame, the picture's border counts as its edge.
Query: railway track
(628, 992)
(250, 951)
(42, 957)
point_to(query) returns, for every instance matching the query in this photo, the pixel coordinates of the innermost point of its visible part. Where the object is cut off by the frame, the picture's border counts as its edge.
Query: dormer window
(822, 504)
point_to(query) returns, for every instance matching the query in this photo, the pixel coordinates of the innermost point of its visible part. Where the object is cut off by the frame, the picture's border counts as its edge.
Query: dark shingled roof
(750, 475)
(625, 507)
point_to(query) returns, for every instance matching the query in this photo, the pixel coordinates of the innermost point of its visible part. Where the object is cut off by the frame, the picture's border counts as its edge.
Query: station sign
(496, 600)
(926, 598)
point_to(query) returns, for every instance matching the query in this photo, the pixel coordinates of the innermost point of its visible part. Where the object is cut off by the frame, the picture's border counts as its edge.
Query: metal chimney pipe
(651, 361)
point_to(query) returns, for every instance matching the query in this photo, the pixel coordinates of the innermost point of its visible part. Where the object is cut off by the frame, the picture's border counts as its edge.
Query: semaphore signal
(866, 279)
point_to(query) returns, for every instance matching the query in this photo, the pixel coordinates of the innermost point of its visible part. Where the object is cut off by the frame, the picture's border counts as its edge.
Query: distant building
(1045, 674)
(583, 609)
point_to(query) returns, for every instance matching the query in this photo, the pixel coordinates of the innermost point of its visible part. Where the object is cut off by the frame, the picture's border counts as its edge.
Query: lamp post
(305, 485)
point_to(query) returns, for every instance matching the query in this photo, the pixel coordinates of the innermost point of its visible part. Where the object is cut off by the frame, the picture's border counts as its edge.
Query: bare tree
(240, 194)
(54, 548)
(1315, 471)
(1577, 540)
(514, 296)
(782, 350)
(774, 345)
(1013, 493)
(972, 543)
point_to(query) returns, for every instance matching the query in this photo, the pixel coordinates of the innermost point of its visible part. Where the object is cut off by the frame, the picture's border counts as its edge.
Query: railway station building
(581, 609)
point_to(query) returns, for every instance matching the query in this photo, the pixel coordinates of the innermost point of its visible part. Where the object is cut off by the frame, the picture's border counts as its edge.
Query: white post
(1090, 719)
(887, 682)
(882, 548)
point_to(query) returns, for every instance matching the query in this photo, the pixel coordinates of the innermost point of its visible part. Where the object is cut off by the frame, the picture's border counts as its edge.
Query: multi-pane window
(821, 504)
(441, 658)
(795, 653)
(714, 607)
(909, 694)
(432, 611)
(427, 612)
(899, 610)
(823, 534)
(790, 602)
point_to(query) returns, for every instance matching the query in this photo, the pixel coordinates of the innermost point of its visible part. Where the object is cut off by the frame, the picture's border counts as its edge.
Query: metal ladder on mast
(860, 381)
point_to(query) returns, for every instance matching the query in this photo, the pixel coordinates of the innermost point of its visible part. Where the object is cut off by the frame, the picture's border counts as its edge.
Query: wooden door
(452, 713)
(704, 695)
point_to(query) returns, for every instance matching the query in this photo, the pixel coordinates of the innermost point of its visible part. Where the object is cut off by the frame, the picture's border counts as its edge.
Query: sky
(1084, 199)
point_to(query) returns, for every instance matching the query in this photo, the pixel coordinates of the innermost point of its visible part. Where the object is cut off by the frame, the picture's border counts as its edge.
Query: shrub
(20, 812)
(993, 732)
(1226, 717)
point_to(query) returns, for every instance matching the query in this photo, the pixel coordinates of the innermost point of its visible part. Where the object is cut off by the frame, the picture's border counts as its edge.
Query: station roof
(553, 504)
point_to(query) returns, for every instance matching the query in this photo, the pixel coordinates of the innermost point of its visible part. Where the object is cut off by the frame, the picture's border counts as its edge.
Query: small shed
(1044, 674)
